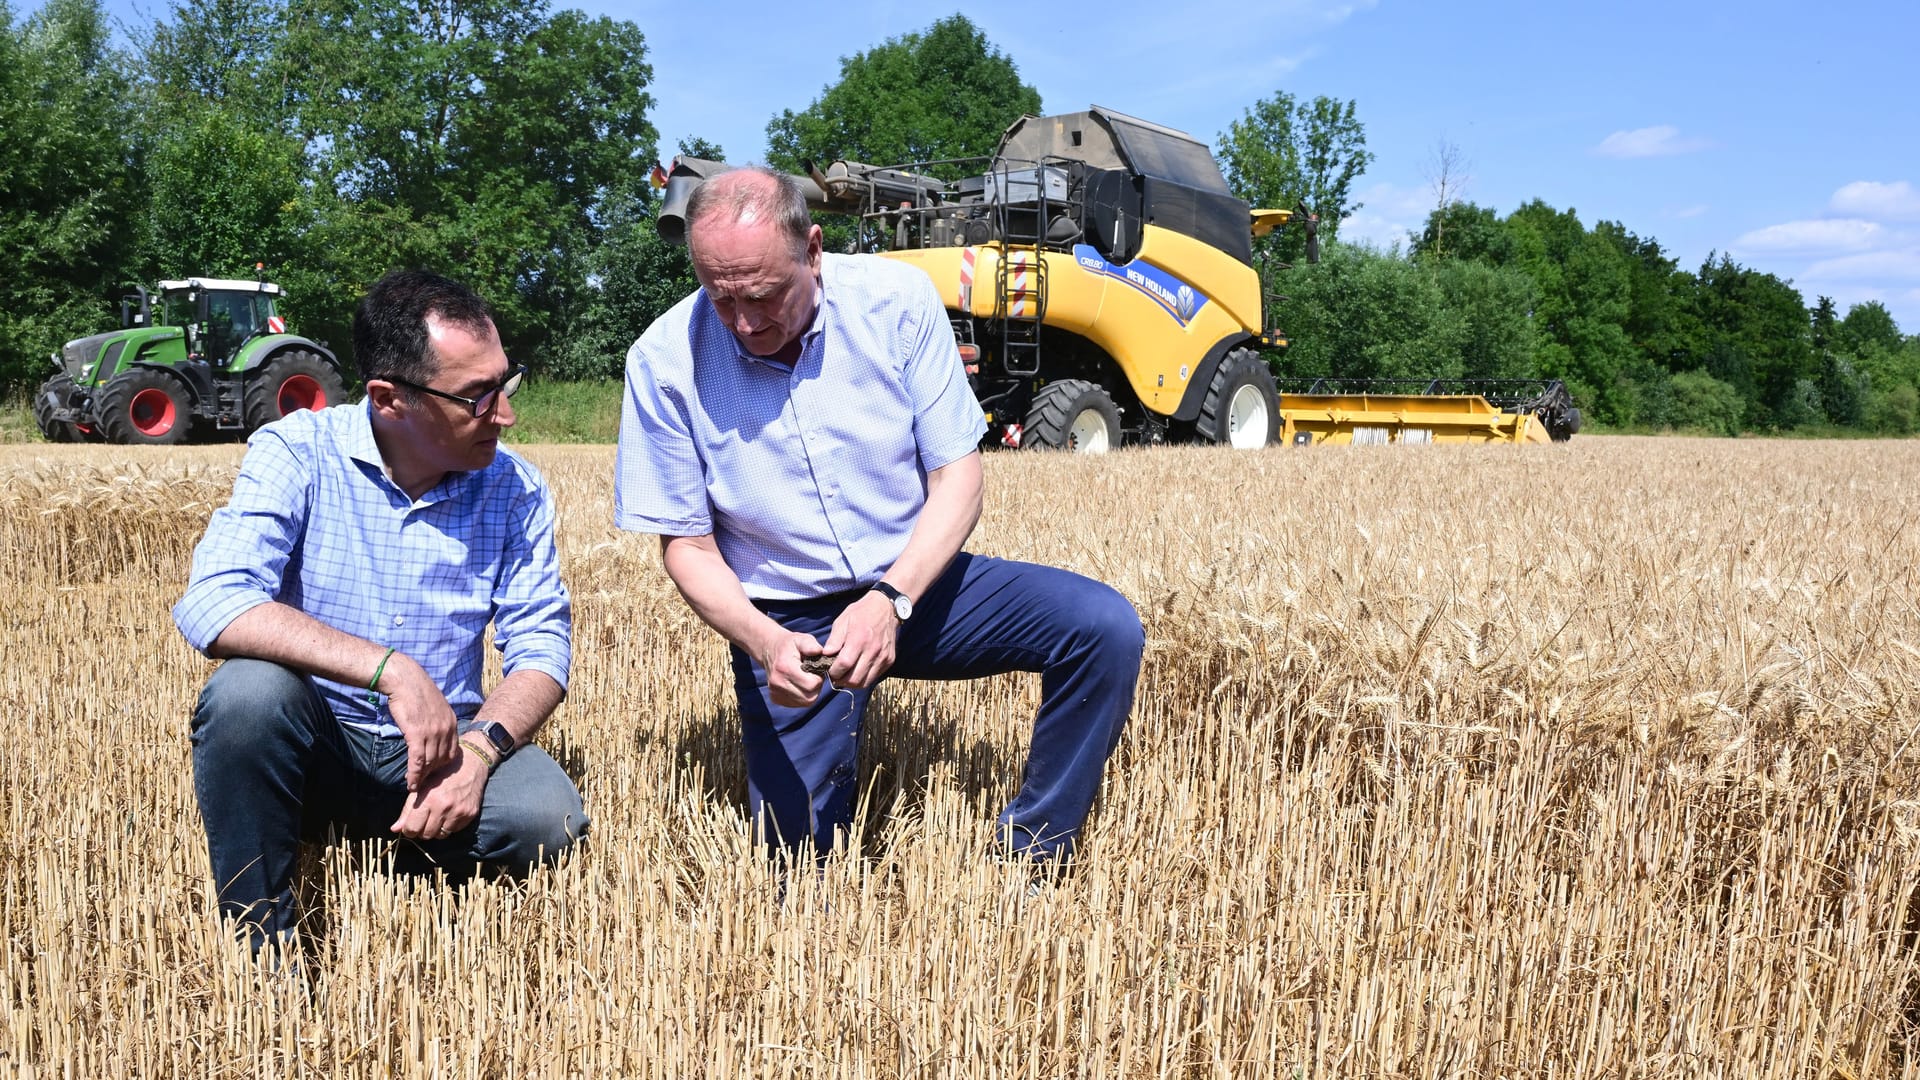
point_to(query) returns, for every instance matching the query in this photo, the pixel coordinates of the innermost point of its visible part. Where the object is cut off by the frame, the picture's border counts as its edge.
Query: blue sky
(1783, 134)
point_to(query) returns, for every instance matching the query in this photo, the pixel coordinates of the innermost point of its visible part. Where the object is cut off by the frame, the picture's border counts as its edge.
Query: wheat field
(1595, 760)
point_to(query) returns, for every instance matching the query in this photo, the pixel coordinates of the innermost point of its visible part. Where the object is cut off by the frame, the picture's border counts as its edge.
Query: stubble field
(1591, 760)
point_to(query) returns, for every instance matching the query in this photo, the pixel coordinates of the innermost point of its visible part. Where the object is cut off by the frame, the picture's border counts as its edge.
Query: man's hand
(422, 714)
(862, 642)
(447, 802)
(794, 669)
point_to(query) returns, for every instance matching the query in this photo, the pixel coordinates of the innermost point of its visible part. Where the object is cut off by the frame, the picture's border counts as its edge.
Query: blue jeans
(271, 765)
(984, 616)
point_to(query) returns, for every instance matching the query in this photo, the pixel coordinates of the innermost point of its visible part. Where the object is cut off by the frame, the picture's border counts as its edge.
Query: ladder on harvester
(1020, 277)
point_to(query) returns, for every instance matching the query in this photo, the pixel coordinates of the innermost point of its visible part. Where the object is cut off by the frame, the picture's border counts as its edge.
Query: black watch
(902, 607)
(497, 734)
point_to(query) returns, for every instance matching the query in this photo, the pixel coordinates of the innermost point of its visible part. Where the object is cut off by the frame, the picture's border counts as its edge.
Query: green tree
(1894, 411)
(224, 53)
(1492, 304)
(483, 138)
(1868, 325)
(67, 181)
(1843, 389)
(1704, 403)
(1754, 334)
(222, 195)
(939, 95)
(1363, 314)
(634, 277)
(1472, 233)
(1284, 153)
(1582, 303)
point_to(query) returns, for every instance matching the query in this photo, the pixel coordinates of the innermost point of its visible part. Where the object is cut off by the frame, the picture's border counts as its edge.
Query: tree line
(1641, 343)
(510, 144)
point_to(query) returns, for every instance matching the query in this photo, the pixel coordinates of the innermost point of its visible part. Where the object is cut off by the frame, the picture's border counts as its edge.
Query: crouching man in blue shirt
(347, 585)
(800, 434)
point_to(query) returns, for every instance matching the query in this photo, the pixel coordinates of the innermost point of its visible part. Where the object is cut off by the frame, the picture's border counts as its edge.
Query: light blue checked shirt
(810, 478)
(315, 524)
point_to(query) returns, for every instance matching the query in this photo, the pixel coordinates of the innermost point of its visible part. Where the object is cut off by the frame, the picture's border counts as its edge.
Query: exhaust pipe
(843, 187)
(687, 174)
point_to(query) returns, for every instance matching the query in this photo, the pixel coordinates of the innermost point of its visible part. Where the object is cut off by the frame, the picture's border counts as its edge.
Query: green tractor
(207, 353)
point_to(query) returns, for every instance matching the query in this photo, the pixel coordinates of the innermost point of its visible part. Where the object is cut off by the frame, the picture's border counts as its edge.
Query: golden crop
(1591, 760)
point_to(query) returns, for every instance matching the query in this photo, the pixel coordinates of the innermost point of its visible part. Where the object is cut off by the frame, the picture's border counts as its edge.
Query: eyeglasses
(481, 405)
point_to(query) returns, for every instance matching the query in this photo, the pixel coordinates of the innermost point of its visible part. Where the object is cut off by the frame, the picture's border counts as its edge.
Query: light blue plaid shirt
(315, 524)
(810, 478)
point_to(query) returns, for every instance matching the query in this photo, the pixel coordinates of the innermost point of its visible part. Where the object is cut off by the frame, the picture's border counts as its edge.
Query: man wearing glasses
(347, 586)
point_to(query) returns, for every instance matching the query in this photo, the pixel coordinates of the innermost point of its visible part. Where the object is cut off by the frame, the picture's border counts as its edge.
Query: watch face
(497, 735)
(902, 608)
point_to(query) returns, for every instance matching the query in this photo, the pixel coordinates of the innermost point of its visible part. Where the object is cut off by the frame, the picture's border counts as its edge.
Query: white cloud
(1880, 266)
(1663, 140)
(1811, 237)
(1897, 201)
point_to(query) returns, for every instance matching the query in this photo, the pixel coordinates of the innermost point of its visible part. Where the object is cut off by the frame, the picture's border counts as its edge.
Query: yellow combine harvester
(1100, 279)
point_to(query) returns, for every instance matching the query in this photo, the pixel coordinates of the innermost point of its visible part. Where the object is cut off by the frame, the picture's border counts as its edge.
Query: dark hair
(733, 195)
(390, 325)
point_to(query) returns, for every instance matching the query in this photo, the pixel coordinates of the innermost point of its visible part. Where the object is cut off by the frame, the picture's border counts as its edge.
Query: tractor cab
(218, 314)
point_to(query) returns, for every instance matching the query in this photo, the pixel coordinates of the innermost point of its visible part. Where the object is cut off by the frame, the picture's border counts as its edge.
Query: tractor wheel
(289, 382)
(1072, 414)
(1242, 407)
(145, 407)
(59, 386)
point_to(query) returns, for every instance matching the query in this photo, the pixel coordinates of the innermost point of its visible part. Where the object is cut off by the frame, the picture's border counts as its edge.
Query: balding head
(750, 196)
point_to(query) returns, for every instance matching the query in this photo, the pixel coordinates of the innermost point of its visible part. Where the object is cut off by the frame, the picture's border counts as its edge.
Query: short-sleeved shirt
(810, 478)
(315, 523)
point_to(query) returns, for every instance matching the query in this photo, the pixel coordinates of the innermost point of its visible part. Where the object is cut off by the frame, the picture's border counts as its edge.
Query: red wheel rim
(151, 412)
(301, 392)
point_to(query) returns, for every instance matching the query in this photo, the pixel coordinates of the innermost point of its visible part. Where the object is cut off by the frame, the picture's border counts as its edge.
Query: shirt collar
(357, 439)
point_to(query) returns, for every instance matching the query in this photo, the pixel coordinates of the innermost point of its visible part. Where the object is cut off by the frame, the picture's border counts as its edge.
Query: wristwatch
(497, 734)
(902, 607)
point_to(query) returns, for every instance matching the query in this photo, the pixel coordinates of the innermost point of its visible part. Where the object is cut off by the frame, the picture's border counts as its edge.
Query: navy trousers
(984, 616)
(271, 764)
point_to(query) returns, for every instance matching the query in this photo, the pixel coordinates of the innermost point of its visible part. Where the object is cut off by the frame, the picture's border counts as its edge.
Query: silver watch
(902, 607)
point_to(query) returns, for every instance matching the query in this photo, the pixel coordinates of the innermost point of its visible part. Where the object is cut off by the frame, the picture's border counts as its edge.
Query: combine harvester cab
(1099, 276)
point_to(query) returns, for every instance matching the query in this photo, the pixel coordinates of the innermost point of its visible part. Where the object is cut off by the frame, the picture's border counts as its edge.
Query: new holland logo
(1177, 298)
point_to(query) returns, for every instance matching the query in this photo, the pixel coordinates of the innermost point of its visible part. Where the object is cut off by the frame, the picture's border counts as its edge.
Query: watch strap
(902, 606)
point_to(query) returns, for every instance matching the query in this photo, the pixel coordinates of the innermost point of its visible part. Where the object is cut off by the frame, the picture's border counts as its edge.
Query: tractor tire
(144, 407)
(1242, 407)
(289, 382)
(59, 431)
(1072, 414)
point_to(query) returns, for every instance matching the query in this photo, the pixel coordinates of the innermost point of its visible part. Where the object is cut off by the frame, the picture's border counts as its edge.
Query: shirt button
(399, 620)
